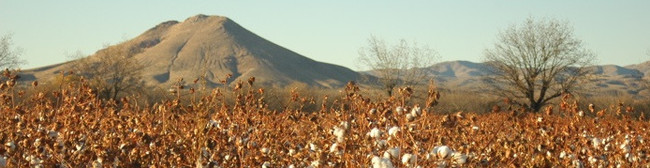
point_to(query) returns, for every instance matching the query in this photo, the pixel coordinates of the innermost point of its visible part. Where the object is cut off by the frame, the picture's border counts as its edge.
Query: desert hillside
(215, 46)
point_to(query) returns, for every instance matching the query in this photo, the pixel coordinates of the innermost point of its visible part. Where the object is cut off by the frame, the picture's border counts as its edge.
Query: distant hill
(605, 79)
(216, 46)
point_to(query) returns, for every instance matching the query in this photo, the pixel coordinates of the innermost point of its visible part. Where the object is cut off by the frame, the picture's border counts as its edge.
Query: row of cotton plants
(74, 128)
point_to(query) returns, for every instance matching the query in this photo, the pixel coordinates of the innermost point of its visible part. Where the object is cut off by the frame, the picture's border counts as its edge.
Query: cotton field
(71, 127)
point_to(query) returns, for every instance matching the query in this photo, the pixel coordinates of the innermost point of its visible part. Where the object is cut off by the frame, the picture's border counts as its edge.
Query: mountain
(216, 46)
(605, 79)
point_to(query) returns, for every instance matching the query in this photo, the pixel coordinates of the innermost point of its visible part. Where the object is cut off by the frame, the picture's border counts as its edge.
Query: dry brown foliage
(71, 127)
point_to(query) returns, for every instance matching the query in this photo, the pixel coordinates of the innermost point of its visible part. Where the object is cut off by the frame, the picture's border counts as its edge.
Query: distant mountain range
(216, 46)
(605, 79)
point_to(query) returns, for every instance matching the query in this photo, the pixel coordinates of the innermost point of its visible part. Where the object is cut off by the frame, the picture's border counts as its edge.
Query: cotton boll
(416, 111)
(372, 111)
(393, 131)
(625, 148)
(392, 153)
(409, 159)
(265, 151)
(11, 145)
(378, 162)
(98, 163)
(266, 165)
(581, 113)
(334, 148)
(315, 163)
(592, 160)
(475, 128)
(459, 158)
(442, 151)
(212, 124)
(577, 164)
(596, 142)
(375, 133)
(339, 133)
(410, 117)
(313, 147)
(399, 110)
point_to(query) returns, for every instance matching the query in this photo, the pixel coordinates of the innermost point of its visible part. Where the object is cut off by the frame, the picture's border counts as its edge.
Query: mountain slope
(215, 46)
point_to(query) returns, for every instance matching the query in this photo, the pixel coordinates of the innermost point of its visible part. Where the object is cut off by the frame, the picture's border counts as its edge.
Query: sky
(49, 32)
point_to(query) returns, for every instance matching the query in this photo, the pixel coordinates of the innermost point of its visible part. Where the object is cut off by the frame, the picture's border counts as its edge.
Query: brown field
(234, 127)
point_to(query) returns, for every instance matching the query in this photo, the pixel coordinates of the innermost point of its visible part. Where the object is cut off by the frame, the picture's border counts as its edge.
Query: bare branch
(400, 64)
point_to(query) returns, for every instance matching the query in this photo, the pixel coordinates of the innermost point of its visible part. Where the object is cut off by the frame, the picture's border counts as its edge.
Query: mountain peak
(201, 18)
(214, 46)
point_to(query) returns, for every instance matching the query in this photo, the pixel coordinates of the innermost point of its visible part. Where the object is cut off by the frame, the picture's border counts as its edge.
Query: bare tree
(537, 61)
(112, 70)
(400, 64)
(8, 55)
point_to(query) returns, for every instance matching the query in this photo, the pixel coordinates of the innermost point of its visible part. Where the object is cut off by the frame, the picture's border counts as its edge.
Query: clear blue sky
(47, 31)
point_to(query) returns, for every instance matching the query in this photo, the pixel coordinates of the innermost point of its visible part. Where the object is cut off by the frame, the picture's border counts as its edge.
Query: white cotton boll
(392, 152)
(416, 111)
(212, 124)
(409, 159)
(442, 151)
(339, 133)
(410, 117)
(345, 125)
(291, 166)
(98, 163)
(34, 161)
(37, 142)
(592, 160)
(265, 151)
(540, 119)
(596, 142)
(292, 152)
(625, 148)
(459, 158)
(562, 155)
(577, 164)
(313, 147)
(399, 110)
(581, 113)
(372, 111)
(393, 131)
(266, 165)
(475, 128)
(11, 145)
(378, 162)
(334, 148)
(375, 133)
(79, 146)
(315, 163)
